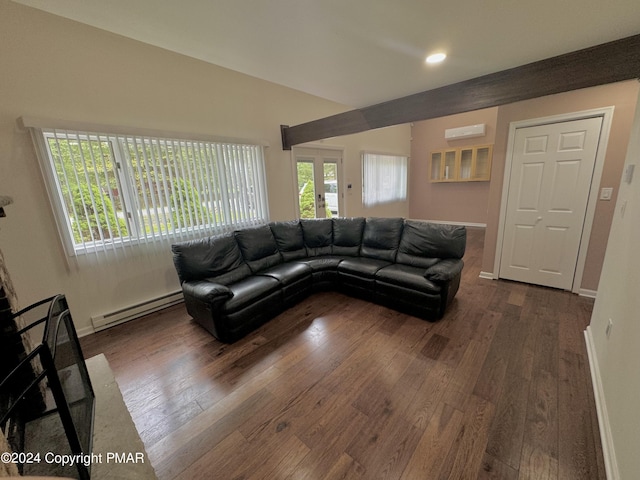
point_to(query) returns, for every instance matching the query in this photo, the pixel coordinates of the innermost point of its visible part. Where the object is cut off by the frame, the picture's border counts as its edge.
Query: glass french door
(317, 174)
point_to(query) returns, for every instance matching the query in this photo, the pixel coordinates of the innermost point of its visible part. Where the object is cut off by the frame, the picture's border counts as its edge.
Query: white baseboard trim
(111, 319)
(487, 275)
(83, 332)
(608, 451)
(584, 292)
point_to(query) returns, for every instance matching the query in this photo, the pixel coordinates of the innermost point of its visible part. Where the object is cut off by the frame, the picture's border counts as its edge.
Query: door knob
(538, 219)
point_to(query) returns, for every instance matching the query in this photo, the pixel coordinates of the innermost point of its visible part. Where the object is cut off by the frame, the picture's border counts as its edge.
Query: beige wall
(56, 68)
(616, 357)
(394, 141)
(479, 202)
(454, 202)
(623, 97)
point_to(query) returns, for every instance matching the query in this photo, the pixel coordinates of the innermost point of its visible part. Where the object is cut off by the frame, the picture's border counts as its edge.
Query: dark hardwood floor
(340, 388)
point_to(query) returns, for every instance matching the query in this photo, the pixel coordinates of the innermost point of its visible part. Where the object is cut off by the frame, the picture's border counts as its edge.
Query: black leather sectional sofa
(235, 282)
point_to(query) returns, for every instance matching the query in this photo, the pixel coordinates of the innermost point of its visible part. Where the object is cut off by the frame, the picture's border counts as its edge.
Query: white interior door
(549, 187)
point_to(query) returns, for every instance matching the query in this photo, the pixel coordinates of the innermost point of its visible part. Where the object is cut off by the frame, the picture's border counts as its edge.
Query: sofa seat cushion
(250, 290)
(288, 273)
(323, 263)
(362, 267)
(406, 276)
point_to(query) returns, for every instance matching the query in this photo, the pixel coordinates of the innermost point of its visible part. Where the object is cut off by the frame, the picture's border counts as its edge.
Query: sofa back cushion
(209, 257)
(318, 236)
(347, 236)
(424, 243)
(258, 247)
(289, 238)
(381, 238)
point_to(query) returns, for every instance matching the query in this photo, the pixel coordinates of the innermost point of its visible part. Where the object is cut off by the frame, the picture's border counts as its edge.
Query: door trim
(315, 150)
(607, 114)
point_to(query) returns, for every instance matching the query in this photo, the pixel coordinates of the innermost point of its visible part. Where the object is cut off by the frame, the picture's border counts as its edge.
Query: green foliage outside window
(185, 199)
(85, 170)
(108, 226)
(308, 204)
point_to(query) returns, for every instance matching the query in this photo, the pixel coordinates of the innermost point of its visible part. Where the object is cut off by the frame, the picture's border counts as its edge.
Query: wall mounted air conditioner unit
(465, 132)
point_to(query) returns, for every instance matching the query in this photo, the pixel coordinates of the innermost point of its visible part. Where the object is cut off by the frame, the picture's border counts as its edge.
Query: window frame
(369, 193)
(231, 173)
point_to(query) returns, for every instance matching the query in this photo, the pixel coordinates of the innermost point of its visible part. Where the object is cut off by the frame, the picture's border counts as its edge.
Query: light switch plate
(606, 193)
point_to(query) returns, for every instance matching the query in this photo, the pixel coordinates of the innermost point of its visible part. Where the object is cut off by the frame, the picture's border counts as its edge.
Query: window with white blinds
(384, 178)
(117, 190)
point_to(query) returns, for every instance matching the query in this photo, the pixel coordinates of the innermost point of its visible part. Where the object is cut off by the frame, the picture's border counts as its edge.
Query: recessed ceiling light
(436, 57)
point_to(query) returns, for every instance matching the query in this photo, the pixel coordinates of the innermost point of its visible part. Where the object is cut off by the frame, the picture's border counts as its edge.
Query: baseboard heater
(107, 320)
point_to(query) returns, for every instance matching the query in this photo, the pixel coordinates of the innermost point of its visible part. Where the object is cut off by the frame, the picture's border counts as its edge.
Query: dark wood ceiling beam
(607, 63)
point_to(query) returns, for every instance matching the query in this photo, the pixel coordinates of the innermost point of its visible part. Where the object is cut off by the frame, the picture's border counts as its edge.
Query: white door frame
(300, 149)
(607, 114)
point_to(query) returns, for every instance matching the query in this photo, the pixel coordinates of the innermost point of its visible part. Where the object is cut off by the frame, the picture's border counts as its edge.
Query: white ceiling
(360, 52)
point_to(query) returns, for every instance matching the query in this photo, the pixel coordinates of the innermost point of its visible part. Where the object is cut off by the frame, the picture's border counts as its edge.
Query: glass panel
(436, 160)
(42, 435)
(466, 156)
(306, 189)
(449, 165)
(483, 164)
(74, 380)
(331, 188)
(89, 186)
(114, 190)
(384, 178)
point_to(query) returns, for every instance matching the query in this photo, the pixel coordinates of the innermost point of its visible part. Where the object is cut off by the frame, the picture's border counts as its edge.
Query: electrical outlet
(609, 328)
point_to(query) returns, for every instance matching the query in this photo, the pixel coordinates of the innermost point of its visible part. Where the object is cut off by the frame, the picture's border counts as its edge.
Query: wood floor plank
(541, 429)
(336, 387)
(466, 374)
(490, 380)
(435, 444)
(174, 463)
(464, 459)
(494, 469)
(538, 465)
(576, 446)
(226, 456)
(328, 437)
(429, 395)
(161, 421)
(161, 453)
(385, 445)
(276, 458)
(435, 346)
(507, 430)
(346, 468)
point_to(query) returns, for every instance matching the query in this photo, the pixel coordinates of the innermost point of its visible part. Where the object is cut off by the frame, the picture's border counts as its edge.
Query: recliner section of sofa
(233, 283)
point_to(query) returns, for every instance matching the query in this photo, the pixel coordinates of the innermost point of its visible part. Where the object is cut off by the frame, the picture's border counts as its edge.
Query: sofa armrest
(445, 270)
(208, 292)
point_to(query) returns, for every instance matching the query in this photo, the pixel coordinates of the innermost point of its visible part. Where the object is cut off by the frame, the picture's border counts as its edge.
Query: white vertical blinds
(384, 178)
(121, 190)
